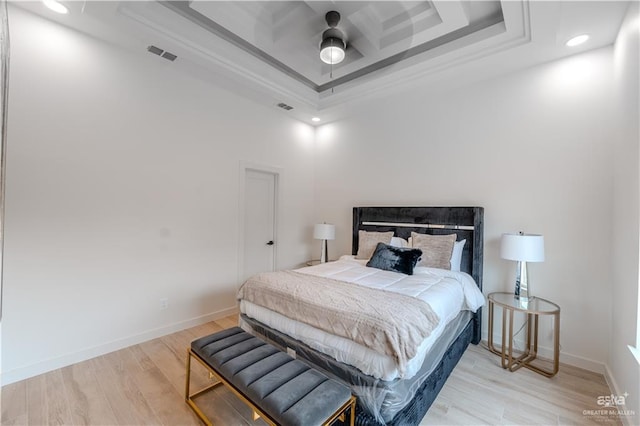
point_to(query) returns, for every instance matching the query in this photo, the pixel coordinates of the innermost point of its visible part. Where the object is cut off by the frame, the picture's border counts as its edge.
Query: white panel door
(259, 222)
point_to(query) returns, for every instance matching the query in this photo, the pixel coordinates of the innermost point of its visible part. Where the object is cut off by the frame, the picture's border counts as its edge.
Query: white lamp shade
(522, 247)
(324, 231)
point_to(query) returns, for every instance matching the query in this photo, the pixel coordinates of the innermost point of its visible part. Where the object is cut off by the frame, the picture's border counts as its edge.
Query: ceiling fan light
(332, 50)
(56, 6)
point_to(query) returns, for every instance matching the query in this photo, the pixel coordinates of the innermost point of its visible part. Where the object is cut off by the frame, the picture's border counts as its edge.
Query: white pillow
(399, 242)
(456, 255)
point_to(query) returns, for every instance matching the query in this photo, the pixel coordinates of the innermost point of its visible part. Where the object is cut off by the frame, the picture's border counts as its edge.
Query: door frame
(277, 173)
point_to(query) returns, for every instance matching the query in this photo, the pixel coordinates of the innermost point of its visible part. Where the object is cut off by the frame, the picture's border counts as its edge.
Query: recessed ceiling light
(577, 40)
(315, 119)
(55, 6)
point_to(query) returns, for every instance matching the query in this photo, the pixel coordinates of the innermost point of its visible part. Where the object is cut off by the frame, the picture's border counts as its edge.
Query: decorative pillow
(436, 249)
(367, 242)
(399, 242)
(396, 259)
(456, 255)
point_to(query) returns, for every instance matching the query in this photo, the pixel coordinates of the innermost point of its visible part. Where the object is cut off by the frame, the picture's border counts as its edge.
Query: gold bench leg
(220, 381)
(189, 396)
(341, 413)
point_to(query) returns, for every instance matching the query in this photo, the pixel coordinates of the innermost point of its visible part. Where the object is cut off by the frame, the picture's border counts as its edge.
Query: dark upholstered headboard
(466, 222)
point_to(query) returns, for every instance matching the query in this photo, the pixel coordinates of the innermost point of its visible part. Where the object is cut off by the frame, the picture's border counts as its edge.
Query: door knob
(270, 243)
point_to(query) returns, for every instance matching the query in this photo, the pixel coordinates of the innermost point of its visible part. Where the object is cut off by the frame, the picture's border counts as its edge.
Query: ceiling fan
(333, 45)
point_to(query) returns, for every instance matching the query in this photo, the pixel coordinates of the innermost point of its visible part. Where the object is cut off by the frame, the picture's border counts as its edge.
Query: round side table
(533, 307)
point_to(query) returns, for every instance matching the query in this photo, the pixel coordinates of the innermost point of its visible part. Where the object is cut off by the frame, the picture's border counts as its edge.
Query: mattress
(447, 292)
(379, 401)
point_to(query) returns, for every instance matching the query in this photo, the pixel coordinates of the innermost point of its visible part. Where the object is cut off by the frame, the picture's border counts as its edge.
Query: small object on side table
(533, 308)
(313, 262)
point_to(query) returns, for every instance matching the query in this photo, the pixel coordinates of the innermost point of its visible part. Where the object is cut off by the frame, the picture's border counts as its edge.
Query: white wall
(123, 188)
(623, 370)
(534, 148)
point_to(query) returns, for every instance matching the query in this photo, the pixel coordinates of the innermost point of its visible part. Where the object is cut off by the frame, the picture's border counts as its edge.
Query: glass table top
(532, 305)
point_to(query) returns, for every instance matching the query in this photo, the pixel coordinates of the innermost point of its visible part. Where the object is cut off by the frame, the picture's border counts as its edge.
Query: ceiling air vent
(163, 53)
(285, 106)
(169, 56)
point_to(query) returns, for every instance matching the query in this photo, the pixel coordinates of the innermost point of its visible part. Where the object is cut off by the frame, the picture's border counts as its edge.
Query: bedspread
(387, 322)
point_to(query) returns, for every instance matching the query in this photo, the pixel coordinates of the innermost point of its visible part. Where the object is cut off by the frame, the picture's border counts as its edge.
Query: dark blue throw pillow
(389, 258)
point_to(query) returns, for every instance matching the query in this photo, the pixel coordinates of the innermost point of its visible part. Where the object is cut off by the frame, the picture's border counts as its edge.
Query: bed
(397, 387)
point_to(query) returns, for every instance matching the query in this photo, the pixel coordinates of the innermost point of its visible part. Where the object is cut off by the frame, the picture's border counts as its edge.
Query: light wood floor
(144, 384)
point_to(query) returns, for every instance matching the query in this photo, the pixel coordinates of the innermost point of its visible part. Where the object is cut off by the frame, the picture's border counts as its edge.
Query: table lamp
(324, 232)
(522, 248)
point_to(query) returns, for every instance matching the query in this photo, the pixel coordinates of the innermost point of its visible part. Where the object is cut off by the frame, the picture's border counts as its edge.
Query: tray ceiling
(379, 34)
(269, 50)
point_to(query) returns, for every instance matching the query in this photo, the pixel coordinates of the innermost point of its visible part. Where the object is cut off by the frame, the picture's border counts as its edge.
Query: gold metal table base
(508, 360)
(340, 414)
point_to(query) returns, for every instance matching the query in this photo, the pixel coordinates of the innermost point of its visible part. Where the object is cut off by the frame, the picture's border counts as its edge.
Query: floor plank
(121, 391)
(166, 402)
(36, 400)
(88, 403)
(144, 385)
(58, 409)
(171, 364)
(14, 403)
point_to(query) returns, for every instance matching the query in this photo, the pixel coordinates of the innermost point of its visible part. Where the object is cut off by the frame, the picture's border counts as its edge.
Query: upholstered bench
(280, 389)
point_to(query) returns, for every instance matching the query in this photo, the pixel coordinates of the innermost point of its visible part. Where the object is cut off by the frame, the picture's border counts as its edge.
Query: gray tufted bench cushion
(286, 390)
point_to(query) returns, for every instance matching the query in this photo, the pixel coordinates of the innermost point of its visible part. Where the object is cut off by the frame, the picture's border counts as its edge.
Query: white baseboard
(547, 353)
(576, 361)
(615, 390)
(12, 376)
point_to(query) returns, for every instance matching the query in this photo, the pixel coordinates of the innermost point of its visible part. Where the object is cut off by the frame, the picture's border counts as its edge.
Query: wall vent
(285, 106)
(162, 53)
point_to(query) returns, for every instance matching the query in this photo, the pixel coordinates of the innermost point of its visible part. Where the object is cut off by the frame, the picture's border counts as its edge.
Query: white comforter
(447, 292)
